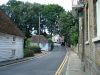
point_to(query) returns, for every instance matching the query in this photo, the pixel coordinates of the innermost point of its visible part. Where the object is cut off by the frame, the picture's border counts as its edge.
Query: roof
(35, 39)
(7, 26)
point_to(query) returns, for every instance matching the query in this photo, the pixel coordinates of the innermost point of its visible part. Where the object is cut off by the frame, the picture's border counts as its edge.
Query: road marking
(58, 72)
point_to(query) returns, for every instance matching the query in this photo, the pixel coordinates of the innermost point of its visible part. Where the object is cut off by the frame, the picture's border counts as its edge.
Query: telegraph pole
(39, 30)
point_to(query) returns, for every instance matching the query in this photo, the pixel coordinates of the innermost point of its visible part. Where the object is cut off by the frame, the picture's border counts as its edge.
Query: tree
(24, 15)
(68, 26)
(51, 12)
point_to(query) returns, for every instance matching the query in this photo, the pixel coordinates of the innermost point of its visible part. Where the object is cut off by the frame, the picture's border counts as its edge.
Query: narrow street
(45, 65)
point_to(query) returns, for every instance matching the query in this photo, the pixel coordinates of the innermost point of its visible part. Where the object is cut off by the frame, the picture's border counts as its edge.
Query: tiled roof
(35, 39)
(7, 26)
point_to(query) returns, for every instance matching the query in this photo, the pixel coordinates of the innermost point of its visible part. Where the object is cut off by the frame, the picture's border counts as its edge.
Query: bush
(36, 49)
(28, 53)
(51, 44)
(50, 41)
(27, 43)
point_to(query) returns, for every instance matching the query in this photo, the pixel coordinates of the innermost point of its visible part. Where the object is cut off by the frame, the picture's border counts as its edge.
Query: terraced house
(88, 12)
(11, 39)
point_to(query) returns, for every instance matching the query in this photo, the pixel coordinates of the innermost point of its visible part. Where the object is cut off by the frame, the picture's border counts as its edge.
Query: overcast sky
(66, 4)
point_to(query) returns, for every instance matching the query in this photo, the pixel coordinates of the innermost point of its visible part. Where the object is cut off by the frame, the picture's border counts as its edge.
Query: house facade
(11, 39)
(57, 38)
(41, 41)
(89, 35)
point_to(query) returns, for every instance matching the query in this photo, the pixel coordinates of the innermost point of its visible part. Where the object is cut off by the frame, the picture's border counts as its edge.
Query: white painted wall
(7, 45)
(44, 47)
(98, 17)
(56, 38)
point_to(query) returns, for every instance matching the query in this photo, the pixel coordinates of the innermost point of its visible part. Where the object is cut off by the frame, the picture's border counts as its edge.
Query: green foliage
(28, 53)
(52, 46)
(27, 43)
(26, 15)
(50, 41)
(30, 50)
(68, 26)
(55, 19)
(73, 36)
(36, 49)
(51, 12)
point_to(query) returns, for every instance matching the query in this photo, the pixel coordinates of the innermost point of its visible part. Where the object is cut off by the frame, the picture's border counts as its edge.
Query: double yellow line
(58, 72)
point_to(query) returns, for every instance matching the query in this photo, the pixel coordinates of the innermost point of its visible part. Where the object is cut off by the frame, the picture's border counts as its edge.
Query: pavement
(74, 65)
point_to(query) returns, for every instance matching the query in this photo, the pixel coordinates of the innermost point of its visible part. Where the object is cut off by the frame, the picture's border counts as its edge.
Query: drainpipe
(83, 45)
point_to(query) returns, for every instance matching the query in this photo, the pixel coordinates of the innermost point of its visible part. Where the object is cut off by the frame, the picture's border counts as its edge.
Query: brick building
(88, 12)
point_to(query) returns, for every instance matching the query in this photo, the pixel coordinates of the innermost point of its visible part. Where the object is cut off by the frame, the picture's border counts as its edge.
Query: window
(13, 52)
(14, 38)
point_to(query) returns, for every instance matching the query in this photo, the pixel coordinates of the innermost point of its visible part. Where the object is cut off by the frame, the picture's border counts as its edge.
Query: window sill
(87, 42)
(97, 39)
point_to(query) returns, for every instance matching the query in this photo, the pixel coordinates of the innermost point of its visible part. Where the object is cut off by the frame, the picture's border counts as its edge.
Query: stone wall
(91, 48)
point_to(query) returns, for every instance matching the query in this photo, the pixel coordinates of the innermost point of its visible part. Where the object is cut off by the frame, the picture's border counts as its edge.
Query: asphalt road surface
(44, 65)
